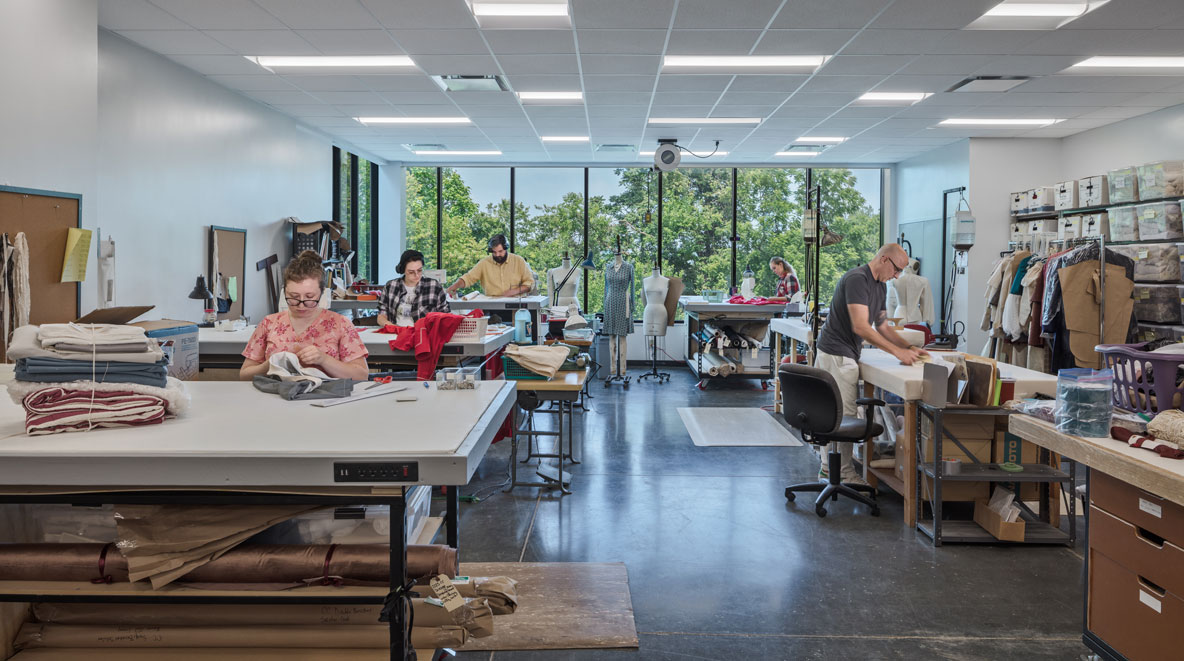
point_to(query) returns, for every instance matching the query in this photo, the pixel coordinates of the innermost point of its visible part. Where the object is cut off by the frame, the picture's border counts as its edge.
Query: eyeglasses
(899, 269)
(302, 302)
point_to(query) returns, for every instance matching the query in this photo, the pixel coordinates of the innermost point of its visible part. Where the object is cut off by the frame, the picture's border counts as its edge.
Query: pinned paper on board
(77, 250)
(232, 285)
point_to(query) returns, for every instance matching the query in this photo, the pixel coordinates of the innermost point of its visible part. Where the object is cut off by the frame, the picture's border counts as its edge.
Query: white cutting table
(224, 348)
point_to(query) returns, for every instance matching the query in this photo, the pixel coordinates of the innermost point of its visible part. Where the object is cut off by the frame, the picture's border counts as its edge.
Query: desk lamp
(201, 293)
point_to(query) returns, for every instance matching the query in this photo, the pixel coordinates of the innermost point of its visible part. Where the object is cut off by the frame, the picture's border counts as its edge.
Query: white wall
(178, 153)
(392, 209)
(1156, 136)
(48, 110)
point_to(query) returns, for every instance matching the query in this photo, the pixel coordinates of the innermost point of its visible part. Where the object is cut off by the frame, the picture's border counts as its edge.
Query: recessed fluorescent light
(998, 122)
(551, 96)
(457, 152)
(893, 98)
(1037, 9)
(328, 61)
(1131, 62)
(564, 138)
(797, 153)
(705, 120)
(414, 120)
(821, 141)
(518, 9)
(745, 61)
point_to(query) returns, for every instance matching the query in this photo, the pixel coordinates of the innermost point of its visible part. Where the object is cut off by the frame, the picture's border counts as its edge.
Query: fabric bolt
(56, 410)
(496, 279)
(291, 390)
(89, 334)
(24, 344)
(174, 394)
(56, 370)
(330, 332)
(857, 287)
(429, 296)
(427, 339)
(618, 299)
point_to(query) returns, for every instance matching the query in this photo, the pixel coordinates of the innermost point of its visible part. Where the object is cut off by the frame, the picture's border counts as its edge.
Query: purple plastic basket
(1141, 375)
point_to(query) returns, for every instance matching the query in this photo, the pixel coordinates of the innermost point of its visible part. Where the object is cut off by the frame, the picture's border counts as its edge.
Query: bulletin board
(44, 217)
(231, 244)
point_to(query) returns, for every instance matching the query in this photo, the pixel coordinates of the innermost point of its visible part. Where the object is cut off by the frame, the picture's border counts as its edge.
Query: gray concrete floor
(722, 567)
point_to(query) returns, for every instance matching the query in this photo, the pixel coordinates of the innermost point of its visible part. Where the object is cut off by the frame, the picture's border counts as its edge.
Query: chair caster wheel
(820, 511)
(626, 385)
(789, 495)
(875, 511)
(701, 386)
(606, 384)
(764, 385)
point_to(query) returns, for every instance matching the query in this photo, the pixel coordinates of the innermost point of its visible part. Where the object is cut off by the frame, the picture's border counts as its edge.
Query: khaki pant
(846, 373)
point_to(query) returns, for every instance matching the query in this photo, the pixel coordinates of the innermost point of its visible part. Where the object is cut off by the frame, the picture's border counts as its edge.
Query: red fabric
(427, 339)
(1146, 442)
(755, 300)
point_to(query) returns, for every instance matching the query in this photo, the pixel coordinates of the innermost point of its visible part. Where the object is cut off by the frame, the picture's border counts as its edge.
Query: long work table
(700, 312)
(236, 445)
(1134, 564)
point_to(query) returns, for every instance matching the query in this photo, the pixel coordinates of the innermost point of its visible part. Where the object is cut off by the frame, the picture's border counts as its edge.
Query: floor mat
(561, 605)
(722, 426)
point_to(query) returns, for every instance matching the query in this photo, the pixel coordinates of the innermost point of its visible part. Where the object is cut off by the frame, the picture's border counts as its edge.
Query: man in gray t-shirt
(857, 314)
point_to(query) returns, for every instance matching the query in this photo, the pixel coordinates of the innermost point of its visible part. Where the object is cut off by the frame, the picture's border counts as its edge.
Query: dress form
(618, 313)
(654, 317)
(567, 294)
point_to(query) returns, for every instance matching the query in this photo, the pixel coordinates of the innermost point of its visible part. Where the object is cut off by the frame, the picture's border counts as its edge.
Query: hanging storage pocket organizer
(1124, 224)
(1154, 262)
(1161, 179)
(1159, 220)
(1158, 303)
(1123, 185)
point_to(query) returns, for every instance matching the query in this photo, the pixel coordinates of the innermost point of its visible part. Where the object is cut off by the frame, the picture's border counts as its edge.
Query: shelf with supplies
(1056, 213)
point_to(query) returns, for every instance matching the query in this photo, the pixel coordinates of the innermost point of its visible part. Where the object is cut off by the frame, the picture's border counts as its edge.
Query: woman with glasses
(319, 338)
(406, 300)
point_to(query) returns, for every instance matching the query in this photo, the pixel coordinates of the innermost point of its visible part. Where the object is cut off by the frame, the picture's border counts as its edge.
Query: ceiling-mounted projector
(667, 157)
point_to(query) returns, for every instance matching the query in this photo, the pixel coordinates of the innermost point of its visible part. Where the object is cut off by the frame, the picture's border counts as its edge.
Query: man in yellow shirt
(502, 273)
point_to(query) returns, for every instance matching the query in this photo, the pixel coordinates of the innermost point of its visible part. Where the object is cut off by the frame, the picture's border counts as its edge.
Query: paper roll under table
(717, 364)
(201, 654)
(33, 635)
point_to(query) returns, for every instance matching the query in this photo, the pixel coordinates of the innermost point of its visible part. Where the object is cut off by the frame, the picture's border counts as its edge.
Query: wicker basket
(1144, 382)
(516, 372)
(471, 329)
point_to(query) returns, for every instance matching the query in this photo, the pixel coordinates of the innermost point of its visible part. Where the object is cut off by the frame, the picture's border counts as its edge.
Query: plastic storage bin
(1154, 262)
(1066, 195)
(1159, 220)
(471, 329)
(1124, 224)
(1083, 402)
(1144, 382)
(1146, 331)
(1161, 179)
(1123, 184)
(516, 372)
(1158, 303)
(1093, 191)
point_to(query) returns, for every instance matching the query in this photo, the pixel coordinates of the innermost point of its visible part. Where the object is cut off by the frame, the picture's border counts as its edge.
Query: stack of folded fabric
(75, 377)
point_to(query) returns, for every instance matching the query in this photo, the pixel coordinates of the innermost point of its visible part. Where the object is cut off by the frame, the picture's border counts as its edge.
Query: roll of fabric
(37, 635)
(255, 563)
(500, 591)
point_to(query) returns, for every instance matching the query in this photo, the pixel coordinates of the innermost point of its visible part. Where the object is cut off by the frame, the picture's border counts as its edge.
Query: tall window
(851, 209)
(769, 204)
(548, 218)
(476, 206)
(697, 227)
(355, 206)
(618, 200)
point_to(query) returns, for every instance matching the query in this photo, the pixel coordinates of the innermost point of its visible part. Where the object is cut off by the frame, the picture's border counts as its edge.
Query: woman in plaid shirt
(410, 298)
(787, 283)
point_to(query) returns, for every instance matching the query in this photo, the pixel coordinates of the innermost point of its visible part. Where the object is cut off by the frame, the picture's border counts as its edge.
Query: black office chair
(811, 403)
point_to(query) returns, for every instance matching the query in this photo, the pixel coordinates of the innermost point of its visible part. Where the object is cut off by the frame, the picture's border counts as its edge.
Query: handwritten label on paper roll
(1151, 508)
(1150, 601)
(447, 592)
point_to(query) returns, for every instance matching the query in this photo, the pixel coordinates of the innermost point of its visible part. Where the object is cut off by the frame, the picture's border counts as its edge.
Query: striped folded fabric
(56, 410)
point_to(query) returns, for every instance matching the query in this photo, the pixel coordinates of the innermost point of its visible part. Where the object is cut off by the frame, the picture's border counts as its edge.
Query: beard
(502, 259)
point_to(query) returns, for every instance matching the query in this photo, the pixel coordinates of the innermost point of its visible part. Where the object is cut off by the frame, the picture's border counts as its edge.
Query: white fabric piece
(286, 366)
(175, 394)
(75, 333)
(21, 297)
(544, 360)
(724, 426)
(24, 344)
(993, 283)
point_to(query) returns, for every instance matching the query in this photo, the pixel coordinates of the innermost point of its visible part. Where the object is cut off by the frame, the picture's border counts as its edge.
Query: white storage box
(1019, 203)
(1093, 191)
(1066, 192)
(1158, 304)
(1159, 220)
(1042, 198)
(1096, 224)
(1154, 262)
(1069, 228)
(1161, 179)
(1043, 226)
(471, 329)
(1018, 231)
(1124, 224)
(1123, 185)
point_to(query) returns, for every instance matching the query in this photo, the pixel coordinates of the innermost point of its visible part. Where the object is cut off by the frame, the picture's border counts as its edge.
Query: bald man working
(857, 314)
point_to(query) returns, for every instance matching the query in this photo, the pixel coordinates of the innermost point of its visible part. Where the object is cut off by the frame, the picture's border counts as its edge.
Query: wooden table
(564, 390)
(881, 370)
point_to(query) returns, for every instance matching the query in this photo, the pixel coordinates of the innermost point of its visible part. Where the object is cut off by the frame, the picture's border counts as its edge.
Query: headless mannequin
(654, 317)
(567, 295)
(617, 344)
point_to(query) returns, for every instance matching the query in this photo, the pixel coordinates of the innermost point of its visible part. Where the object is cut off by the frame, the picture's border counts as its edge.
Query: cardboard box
(966, 427)
(1018, 203)
(1093, 191)
(1155, 559)
(1137, 619)
(178, 339)
(990, 521)
(1130, 503)
(1042, 198)
(1018, 231)
(1066, 195)
(1096, 224)
(1047, 225)
(1069, 228)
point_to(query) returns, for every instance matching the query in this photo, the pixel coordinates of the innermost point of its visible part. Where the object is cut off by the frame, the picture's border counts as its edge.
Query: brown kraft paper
(34, 635)
(500, 591)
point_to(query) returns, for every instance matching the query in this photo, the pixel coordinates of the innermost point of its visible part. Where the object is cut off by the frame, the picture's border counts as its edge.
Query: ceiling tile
(761, 110)
(176, 42)
(320, 14)
(1129, 14)
(1025, 65)
(928, 14)
(620, 64)
(416, 98)
(803, 42)
(767, 83)
(919, 83)
(842, 83)
(619, 83)
(410, 82)
(476, 111)
(556, 112)
(622, 42)
(543, 82)
(530, 41)
(263, 82)
(219, 64)
(669, 82)
(1123, 112)
(539, 64)
(351, 42)
(1019, 99)
(621, 13)
(1160, 100)
(310, 110)
(617, 98)
(986, 42)
(730, 14)
(327, 83)
(409, 14)
(1130, 84)
(137, 15)
(340, 98)
(441, 42)
(947, 64)
(635, 112)
(220, 14)
(1106, 42)
(834, 100)
(733, 98)
(468, 65)
(282, 97)
(896, 42)
(864, 64)
(712, 42)
(684, 98)
(264, 42)
(829, 14)
(484, 98)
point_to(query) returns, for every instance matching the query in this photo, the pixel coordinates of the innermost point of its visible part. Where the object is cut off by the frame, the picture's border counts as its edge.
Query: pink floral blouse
(332, 333)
